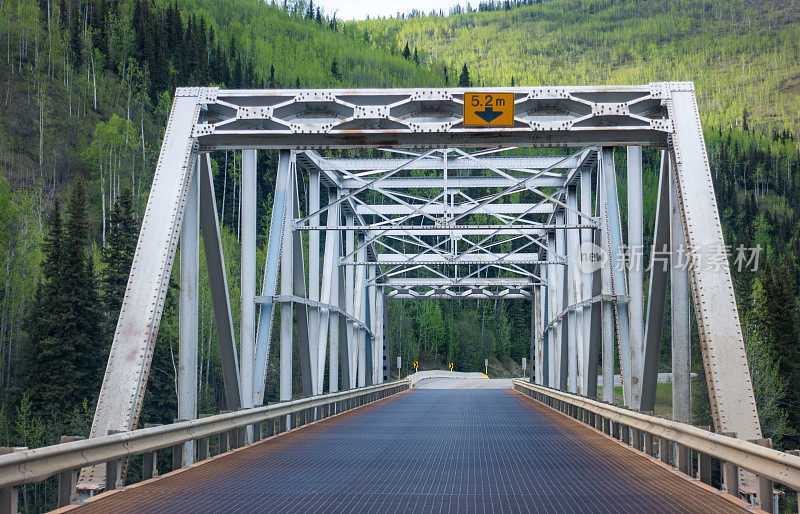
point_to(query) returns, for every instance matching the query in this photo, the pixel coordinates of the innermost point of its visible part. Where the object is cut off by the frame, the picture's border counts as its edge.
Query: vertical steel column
(656, 298)
(330, 295)
(218, 287)
(360, 305)
(269, 286)
(188, 309)
(313, 284)
(535, 327)
(635, 264)
(343, 329)
(561, 301)
(679, 288)
(247, 327)
(630, 358)
(349, 295)
(574, 294)
(300, 289)
(287, 289)
(586, 313)
(373, 320)
(380, 337)
(550, 312)
(544, 374)
(606, 307)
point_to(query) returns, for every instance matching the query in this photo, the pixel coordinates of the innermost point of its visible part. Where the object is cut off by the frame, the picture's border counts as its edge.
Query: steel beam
(630, 357)
(659, 264)
(218, 286)
(588, 372)
(279, 224)
(188, 311)
(247, 327)
(122, 392)
(730, 391)
(635, 266)
(679, 308)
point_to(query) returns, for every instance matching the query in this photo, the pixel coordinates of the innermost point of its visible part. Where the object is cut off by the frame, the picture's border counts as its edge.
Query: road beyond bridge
(427, 450)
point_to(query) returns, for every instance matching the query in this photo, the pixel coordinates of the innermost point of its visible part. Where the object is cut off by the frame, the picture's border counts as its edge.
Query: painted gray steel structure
(441, 212)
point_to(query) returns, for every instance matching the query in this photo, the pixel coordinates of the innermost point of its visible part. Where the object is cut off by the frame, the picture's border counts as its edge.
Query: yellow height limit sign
(488, 109)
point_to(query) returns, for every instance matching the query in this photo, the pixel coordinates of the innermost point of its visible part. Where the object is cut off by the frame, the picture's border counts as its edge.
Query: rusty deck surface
(428, 450)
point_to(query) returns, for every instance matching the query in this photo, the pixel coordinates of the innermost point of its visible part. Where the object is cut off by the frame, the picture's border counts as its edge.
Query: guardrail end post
(765, 485)
(9, 497)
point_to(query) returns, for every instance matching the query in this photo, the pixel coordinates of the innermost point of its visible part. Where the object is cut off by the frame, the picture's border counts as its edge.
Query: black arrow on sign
(488, 115)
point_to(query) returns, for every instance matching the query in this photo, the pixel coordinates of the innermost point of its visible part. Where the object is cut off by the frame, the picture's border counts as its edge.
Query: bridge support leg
(630, 357)
(606, 307)
(588, 385)
(574, 295)
(247, 327)
(330, 294)
(188, 310)
(314, 314)
(349, 294)
(287, 288)
(681, 336)
(269, 283)
(635, 266)
(659, 259)
(360, 311)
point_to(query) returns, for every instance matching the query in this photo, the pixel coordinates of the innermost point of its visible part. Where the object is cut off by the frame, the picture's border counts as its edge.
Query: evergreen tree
(82, 323)
(117, 257)
(406, 52)
(463, 79)
(335, 69)
(48, 364)
(416, 56)
(271, 83)
(776, 309)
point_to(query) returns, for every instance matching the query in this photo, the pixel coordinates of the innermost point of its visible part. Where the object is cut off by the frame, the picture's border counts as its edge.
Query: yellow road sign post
(488, 109)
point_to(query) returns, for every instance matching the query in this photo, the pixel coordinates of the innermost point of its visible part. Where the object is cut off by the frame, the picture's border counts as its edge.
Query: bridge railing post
(68, 480)
(150, 459)
(114, 469)
(704, 464)
(9, 497)
(730, 473)
(177, 452)
(664, 450)
(764, 494)
(796, 453)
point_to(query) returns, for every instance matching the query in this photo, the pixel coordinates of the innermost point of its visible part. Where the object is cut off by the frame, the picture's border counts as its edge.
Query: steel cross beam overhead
(398, 193)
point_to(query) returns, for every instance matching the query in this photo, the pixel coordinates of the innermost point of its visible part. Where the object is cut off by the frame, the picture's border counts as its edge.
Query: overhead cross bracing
(478, 211)
(459, 217)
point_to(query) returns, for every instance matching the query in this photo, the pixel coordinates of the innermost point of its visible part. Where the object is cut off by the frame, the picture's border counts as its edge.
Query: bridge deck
(427, 450)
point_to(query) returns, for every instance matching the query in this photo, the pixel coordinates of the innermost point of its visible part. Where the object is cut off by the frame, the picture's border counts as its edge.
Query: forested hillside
(740, 53)
(86, 86)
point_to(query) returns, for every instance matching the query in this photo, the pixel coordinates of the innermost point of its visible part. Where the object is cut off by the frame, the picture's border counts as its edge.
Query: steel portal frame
(439, 210)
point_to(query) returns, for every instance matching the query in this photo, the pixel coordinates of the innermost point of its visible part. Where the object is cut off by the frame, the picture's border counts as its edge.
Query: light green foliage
(739, 54)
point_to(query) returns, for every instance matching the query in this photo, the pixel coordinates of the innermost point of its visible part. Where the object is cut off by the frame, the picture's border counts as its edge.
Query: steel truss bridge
(404, 201)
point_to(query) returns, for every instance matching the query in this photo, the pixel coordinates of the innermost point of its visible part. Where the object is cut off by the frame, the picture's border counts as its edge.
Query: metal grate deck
(427, 451)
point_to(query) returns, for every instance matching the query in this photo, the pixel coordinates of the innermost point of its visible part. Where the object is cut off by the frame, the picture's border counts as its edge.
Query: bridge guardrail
(638, 429)
(66, 459)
